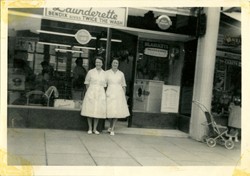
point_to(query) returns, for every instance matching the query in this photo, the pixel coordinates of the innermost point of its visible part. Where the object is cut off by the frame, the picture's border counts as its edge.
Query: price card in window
(170, 98)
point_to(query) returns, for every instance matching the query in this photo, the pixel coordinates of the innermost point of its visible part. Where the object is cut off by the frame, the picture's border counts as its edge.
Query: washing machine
(155, 96)
(147, 95)
(139, 98)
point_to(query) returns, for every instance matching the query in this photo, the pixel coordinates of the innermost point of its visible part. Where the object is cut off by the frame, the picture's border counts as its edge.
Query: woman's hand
(124, 89)
(87, 86)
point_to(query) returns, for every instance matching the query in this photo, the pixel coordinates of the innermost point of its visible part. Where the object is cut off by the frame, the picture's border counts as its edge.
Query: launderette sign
(107, 16)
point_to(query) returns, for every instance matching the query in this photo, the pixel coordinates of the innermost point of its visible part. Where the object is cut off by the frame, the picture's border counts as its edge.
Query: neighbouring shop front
(156, 49)
(227, 75)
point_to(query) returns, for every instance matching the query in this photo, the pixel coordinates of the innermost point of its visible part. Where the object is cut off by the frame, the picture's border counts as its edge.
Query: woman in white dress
(116, 101)
(94, 102)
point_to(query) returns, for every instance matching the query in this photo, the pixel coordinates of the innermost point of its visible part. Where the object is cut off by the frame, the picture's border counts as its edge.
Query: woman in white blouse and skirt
(234, 120)
(116, 101)
(94, 103)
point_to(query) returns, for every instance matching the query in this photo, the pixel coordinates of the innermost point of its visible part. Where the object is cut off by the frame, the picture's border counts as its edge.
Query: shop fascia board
(133, 31)
(156, 34)
(170, 11)
(228, 55)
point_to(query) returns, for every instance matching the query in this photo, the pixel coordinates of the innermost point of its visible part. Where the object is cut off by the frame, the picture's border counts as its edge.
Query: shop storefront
(227, 75)
(156, 49)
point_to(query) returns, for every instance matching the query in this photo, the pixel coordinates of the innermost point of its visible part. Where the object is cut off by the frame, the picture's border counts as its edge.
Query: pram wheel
(204, 138)
(229, 144)
(211, 142)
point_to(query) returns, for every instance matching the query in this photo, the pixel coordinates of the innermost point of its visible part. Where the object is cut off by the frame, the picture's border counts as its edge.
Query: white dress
(94, 102)
(116, 101)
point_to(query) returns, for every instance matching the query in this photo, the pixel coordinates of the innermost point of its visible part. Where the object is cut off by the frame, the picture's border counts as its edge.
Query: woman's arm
(123, 82)
(87, 79)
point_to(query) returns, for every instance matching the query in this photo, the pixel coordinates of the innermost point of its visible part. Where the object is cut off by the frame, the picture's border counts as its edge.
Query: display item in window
(79, 74)
(47, 68)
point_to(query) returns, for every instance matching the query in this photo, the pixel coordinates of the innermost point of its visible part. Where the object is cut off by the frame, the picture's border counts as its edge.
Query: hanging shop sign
(156, 52)
(83, 36)
(156, 49)
(106, 16)
(163, 22)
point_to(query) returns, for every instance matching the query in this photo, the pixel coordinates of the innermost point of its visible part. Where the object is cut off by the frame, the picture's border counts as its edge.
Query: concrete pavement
(46, 147)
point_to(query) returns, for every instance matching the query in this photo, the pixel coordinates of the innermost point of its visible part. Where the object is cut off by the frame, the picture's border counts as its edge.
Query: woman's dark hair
(100, 58)
(115, 58)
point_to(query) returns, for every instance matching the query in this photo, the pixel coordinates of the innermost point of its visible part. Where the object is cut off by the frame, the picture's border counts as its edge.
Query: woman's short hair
(115, 58)
(100, 58)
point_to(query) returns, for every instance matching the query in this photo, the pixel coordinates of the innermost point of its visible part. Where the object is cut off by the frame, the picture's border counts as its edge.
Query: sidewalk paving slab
(77, 148)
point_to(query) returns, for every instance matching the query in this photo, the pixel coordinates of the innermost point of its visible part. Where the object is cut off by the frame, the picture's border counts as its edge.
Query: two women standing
(100, 105)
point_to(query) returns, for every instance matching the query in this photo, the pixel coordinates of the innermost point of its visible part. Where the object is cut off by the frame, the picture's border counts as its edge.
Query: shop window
(227, 83)
(158, 60)
(158, 76)
(38, 63)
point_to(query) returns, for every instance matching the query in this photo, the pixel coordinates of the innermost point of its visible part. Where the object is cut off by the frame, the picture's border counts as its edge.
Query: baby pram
(216, 133)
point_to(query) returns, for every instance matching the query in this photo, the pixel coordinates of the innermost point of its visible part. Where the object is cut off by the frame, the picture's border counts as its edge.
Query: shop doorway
(125, 51)
(156, 62)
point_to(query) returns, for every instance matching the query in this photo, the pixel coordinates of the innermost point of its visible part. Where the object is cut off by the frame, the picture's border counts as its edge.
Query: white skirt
(94, 102)
(116, 102)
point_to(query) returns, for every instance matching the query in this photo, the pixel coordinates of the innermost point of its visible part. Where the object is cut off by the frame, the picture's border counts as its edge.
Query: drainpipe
(204, 73)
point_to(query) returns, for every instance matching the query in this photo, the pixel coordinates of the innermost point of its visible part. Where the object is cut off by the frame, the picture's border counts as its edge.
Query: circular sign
(83, 36)
(164, 22)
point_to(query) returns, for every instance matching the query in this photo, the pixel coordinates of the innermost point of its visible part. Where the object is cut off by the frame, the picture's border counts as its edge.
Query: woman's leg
(89, 124)
(113, 124)
(95, 125)
(110, 124)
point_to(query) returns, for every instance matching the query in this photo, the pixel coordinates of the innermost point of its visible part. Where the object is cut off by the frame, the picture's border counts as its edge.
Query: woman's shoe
(109, 130)
(96, 132)
(112, 133)
(89, 132)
